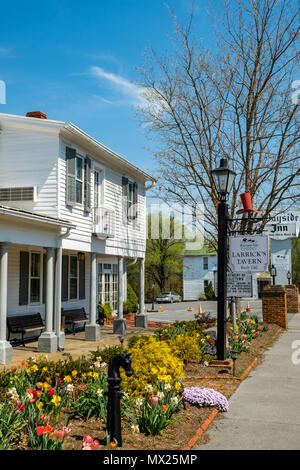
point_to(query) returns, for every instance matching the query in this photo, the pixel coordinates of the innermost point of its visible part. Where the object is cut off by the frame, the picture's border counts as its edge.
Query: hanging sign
(281, 261)
(283, 226)
(249, 254)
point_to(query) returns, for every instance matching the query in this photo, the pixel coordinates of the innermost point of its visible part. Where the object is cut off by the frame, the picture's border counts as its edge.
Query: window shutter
(65, 278)
(125, 199)
(24, 277)
(87, 184)
(70, 176)
(81, 279)
(135, 200)
(44, 276)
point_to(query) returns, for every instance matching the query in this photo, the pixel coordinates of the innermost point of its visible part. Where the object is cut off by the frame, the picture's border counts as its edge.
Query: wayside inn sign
(249, 253)
(283, 226)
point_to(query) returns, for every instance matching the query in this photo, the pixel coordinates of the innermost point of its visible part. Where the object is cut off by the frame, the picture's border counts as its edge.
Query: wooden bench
(25, 324)
(74, 317)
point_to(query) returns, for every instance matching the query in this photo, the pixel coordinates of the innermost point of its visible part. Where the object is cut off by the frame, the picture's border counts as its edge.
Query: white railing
(104, 222)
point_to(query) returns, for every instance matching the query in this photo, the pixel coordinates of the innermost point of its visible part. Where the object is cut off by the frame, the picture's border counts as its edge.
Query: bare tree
(233, 102)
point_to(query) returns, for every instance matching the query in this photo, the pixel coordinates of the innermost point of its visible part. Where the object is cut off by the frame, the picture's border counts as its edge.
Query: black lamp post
(273, 272)
(223, 179)
(153, 296)
(289, 277)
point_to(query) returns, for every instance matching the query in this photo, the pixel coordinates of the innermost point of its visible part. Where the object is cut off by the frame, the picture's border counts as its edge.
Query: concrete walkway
(265, 409)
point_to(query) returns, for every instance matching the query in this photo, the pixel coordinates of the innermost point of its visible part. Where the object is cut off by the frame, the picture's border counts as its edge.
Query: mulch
(184, 424)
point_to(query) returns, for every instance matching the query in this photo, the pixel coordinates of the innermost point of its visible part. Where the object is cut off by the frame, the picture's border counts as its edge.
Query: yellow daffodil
(74, 373)
(39, 405)
(56, 400)
(46, 386)
(67, 379)
(34, 368)
(83, 376)
(95, 375)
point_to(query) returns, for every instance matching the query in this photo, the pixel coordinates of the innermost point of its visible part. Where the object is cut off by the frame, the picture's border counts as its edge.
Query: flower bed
(47, 405)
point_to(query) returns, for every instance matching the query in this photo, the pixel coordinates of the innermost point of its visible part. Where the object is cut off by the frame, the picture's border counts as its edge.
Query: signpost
(249, 253)
(238, 284)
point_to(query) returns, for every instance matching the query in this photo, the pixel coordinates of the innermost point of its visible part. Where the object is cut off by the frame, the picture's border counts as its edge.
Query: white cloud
(130, 90)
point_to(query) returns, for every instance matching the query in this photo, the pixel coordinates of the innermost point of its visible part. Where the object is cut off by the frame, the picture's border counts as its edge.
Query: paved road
(178, 311)
(265, 410)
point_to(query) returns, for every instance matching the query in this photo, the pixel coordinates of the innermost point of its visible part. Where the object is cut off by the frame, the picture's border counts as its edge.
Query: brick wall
(274, 305)
(292, 298)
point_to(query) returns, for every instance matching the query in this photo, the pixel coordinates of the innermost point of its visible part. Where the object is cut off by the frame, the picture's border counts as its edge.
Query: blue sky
(75, 61)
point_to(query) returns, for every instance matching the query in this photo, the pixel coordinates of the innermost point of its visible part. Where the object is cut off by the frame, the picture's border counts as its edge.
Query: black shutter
(81, 279)
(70, 176)
(44, 276)
(87, 184)
(125, 199)
(24, 277)
(65, 278)
(135, 201)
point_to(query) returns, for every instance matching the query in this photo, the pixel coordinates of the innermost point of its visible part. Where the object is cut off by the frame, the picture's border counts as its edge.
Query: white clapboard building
(198, 271)
(72, 212)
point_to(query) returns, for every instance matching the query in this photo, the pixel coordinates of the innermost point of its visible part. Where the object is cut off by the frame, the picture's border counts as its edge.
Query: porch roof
(34, 217)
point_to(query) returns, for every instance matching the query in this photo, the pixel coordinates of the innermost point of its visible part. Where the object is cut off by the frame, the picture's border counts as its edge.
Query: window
(78, 174)
(35, 278)
(73, 278)
(205, 263)
(129, 197)
(79, 179)
(98, 184)
(205, 284)
(31, 278)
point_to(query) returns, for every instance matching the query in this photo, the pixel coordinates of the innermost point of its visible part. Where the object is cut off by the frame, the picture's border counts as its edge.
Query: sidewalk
(264, 412)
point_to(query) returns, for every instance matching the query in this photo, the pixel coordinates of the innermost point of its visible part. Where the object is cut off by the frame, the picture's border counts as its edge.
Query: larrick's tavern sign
(249, 254)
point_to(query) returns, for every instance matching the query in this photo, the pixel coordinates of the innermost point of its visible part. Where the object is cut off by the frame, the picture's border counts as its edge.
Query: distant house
(198, 271)
(72, 212)
(200, 267)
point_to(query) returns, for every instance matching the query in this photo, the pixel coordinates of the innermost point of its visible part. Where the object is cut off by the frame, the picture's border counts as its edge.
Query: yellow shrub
(186, 347)
(151, 360)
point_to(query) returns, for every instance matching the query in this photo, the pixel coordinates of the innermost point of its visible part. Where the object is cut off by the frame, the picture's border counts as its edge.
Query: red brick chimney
(36, 114)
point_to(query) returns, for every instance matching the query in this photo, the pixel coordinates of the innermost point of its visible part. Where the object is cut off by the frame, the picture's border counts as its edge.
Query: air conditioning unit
(18, 194)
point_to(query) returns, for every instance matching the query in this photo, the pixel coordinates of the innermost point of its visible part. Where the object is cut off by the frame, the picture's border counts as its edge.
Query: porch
(38, 275)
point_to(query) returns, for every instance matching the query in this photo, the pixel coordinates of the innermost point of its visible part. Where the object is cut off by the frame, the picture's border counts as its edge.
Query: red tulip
(153, 400)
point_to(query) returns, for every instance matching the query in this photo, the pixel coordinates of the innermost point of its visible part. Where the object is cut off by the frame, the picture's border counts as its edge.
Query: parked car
(168, 297)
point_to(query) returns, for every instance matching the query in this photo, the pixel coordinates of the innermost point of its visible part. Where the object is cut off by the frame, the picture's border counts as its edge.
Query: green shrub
(209, 291)
(132, 300)
(105, 354)
(105, 311)
(133, 339)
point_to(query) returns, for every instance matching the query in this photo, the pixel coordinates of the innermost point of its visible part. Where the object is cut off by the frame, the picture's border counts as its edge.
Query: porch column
(60, 334)
(141, 320)
(142, 286)
(5, 347)
(48, 339)
(92, 330)
(120, 322)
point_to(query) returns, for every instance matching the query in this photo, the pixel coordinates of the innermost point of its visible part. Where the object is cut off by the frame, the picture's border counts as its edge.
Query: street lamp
(273, 272)
(289, 276)
(153, 296)
(223, 179)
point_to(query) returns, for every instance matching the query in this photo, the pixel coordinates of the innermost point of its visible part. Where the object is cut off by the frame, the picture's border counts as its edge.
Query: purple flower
(206, 397)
